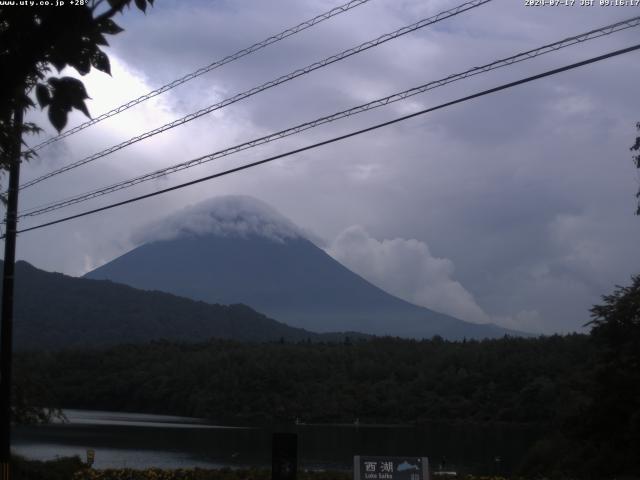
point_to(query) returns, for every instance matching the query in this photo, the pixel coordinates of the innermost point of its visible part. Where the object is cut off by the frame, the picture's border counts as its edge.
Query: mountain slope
(54, 311)
(237, 249)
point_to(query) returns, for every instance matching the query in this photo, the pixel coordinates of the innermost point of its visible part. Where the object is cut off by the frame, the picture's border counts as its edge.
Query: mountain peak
(225, 216)
(239, 250)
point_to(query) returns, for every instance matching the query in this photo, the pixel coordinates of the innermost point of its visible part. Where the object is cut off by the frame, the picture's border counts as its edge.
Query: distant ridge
(237, 249)
(54, 311)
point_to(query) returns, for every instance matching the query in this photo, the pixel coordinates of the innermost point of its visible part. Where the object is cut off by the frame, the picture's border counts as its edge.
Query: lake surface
(141, 441)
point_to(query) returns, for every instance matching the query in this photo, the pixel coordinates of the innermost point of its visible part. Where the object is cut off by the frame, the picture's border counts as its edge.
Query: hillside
(53, 311)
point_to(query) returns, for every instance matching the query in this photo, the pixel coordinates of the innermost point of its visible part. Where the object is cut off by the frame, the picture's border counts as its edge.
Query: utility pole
(6, 327)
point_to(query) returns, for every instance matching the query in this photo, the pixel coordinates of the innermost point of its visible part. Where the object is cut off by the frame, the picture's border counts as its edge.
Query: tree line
(383, 380)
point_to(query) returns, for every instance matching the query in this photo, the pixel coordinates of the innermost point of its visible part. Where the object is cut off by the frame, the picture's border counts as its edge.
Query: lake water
(141, 441)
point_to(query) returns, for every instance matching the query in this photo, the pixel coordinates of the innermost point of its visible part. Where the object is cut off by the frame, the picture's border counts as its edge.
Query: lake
(140, 441)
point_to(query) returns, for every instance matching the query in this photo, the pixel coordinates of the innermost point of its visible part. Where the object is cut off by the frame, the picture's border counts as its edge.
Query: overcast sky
(516, 208)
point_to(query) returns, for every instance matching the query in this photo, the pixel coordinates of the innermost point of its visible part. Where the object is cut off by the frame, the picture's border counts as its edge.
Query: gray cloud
(407, 269)
(529, 193)
(232, 215)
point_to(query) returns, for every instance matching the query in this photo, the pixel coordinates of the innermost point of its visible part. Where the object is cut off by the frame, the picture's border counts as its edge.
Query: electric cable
(201, 71)
(265, 86)
(590, 35)
(339, 138)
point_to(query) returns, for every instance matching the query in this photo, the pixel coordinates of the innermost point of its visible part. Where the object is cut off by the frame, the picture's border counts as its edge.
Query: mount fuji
(237, 249)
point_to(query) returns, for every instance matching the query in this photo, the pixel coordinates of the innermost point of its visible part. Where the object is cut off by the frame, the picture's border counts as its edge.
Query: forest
(383, 380)
(581, 391)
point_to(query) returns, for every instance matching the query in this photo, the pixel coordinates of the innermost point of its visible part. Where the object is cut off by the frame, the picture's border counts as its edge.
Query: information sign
(390, 468)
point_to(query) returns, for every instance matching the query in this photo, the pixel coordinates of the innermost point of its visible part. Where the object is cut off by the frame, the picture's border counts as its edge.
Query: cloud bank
(406, 269)
(231, 215)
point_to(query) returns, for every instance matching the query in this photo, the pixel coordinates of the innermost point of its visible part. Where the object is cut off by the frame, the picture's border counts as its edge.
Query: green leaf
(27, 102)
(42, 95)
(99, 39)
(67, 93)
(57, 117)
(73, 86)
(82, 64)
(82, 107)
(100, 61)
(110, 27)
(142, 5)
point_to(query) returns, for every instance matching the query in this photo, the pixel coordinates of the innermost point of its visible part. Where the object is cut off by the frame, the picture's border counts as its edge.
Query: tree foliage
(636, 160)
(33, 39)
(384, 380)
(612, 429)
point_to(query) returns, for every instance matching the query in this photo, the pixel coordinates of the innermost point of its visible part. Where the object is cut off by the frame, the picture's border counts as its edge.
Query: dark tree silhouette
(33, 39)
(614, 419)
(636, 160)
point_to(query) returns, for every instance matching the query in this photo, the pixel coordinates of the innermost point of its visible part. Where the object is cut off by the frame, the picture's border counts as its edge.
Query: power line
(339, 138)
(212, 66)
(253, 91)
(593, 34)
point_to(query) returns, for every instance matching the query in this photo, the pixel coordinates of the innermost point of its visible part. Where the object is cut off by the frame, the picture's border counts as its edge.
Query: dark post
(284, 462)
(6, 327)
